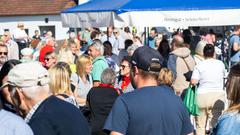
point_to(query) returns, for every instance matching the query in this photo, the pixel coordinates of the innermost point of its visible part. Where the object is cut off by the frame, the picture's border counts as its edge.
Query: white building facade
(42, 23)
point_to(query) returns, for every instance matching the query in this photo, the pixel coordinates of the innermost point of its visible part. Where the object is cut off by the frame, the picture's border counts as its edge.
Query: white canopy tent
(180, 13)
(177, 13)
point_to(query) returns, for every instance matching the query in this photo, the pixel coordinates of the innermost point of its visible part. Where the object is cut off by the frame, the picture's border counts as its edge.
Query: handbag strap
(186, 64)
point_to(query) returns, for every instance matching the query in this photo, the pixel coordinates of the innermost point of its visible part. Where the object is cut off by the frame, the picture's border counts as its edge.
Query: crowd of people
(108, 82)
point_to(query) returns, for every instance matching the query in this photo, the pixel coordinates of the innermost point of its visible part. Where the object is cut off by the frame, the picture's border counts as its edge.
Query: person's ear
(135, 70)
(19, 96)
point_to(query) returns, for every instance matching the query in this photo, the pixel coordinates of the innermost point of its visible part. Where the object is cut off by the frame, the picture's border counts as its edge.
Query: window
(44, 29)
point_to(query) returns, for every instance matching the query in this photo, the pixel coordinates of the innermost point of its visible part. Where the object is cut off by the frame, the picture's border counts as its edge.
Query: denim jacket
(228, 124)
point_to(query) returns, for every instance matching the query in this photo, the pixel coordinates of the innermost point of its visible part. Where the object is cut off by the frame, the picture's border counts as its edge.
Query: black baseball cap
(144, 56)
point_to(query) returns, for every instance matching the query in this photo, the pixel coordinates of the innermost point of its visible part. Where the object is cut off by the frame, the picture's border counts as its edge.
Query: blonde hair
(59, 80)
(65, 56)
(65, 53)
(165, 77)
(63, 45)
(82, 62)
(74, 41)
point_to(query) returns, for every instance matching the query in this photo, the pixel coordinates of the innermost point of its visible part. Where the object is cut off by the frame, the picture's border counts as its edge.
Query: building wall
(32, 23)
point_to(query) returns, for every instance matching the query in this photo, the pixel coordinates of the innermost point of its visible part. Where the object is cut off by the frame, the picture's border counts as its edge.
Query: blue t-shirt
(235, 55)
(151, 42)
(154, 110)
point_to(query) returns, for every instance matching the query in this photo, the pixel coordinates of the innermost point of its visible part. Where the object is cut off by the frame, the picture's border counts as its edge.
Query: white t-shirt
(210, 74)
(20, 34)
(111, 39)
(118, 45)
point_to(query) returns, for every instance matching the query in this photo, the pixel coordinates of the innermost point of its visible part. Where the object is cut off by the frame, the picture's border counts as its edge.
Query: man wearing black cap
(150, 109)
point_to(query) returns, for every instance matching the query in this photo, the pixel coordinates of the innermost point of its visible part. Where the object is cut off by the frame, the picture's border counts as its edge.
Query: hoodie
(178, 66)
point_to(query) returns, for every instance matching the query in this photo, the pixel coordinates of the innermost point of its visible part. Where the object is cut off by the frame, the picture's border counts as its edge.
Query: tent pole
(147, 36)
(107, 35)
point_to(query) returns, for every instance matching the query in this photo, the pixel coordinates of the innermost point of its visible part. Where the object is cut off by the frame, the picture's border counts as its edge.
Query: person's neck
(207, 58)
(84, 78)
(97, 56)
(109, 34)
(146, 83)
(40, 97)
(236, 33)
(127, 75)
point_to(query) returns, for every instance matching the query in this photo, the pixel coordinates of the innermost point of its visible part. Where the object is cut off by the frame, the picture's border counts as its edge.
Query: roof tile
(33, 7)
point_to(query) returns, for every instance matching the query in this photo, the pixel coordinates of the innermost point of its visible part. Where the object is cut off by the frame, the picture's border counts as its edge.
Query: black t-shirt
(100, 100)
(36, 37)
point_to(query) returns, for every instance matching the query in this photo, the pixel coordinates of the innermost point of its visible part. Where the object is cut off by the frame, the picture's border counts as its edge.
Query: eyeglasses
(115, 32)
(123, 66)
(5, 53)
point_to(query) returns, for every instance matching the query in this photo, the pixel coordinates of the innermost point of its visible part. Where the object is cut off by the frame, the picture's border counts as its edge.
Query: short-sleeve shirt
(210, 74)
(99, 64)
(83, 88)
(18, 33)
(153, 110)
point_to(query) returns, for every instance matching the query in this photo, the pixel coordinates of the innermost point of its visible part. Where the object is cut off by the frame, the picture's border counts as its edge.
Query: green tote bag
(190, 100)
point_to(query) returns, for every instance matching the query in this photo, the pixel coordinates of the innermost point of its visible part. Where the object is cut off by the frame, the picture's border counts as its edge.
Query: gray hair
(98, 45)
(132, 48)
(178, 41)
(108, 76)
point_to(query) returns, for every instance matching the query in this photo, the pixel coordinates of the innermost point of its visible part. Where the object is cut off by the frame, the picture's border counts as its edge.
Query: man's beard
(3, 59)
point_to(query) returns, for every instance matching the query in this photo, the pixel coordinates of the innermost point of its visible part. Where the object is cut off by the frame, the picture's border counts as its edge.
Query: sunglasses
(5, 53)
(123, 66)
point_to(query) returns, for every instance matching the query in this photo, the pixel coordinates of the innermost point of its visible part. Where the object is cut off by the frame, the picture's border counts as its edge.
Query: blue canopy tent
(101, 13)
(94, 13)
